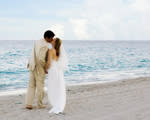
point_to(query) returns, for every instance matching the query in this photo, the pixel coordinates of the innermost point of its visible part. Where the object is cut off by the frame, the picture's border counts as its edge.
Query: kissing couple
(53, 62)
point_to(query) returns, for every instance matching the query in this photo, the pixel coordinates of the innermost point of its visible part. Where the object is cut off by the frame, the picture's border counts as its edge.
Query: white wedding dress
(56, 84)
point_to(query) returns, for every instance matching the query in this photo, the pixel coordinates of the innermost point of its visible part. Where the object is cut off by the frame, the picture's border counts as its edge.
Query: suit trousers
(36, 84)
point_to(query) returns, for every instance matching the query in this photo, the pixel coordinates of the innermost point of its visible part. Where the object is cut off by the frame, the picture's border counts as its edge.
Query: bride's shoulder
(51, 50)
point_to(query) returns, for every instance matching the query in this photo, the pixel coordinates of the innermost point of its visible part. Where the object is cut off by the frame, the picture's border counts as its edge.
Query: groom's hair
(48, 34)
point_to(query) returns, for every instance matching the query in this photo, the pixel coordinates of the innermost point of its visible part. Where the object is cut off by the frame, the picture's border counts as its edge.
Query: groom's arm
(31, 60)
(48, 63)
(42, 55)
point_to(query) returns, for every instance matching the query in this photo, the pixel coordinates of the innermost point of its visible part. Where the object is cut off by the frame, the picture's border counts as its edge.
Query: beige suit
(37, 74)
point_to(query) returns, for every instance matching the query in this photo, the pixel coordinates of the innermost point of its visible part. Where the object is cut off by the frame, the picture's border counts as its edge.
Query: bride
(56, 64)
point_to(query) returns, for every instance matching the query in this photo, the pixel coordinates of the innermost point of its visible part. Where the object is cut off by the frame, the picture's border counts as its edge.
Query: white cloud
(116, 19)
(58, 29)
(79, 28)
(93, 19)
(26, 29)
(140, 5)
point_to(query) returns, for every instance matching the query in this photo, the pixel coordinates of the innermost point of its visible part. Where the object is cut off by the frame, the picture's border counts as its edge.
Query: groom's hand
(27, 65)
(46, 72)
(45, 69)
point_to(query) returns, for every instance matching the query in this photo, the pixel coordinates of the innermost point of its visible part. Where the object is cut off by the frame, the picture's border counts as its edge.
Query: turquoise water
(89, 61)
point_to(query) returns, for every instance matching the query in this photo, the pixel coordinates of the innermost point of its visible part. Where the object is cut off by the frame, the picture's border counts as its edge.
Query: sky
(75, 19)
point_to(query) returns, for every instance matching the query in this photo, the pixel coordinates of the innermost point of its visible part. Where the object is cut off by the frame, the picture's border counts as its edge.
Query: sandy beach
(117, 100)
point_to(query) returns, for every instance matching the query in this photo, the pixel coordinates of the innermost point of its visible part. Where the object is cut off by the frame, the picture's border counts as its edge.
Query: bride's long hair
(57, 46)
(58, 43)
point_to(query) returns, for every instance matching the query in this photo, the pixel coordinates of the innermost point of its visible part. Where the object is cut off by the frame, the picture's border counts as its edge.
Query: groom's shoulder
(38, 41)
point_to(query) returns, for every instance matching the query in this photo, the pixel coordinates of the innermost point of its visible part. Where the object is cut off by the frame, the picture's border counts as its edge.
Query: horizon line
(74, 40)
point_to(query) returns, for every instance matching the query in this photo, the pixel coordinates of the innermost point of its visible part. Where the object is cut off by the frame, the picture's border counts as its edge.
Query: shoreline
(126, 99)
(23, 90)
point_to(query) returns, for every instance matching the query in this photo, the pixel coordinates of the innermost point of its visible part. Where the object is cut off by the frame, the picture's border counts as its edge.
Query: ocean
(89, 61)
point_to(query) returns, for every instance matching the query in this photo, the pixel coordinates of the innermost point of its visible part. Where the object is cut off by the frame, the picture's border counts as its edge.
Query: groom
(37, 73)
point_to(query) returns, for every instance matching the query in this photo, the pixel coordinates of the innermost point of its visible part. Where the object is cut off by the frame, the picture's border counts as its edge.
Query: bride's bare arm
(48, 63)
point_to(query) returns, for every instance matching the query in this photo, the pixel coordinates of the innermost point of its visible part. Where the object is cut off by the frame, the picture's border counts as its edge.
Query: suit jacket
(38, 54)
